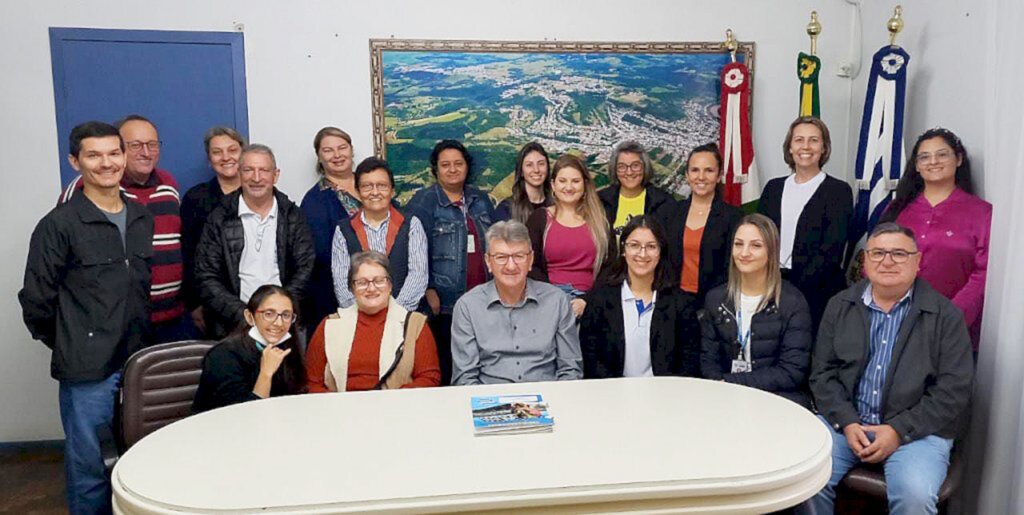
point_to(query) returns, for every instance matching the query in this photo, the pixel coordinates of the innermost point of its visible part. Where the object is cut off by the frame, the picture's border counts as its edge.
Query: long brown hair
(522, 208)
(773, 272)
(589, 207)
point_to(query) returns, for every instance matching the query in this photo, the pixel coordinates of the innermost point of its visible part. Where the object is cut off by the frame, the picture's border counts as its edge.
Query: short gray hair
(509, 231)
(633, 147)
(369, 257)
(258, 148)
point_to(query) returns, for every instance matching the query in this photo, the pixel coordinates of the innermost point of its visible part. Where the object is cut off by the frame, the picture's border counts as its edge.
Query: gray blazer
(928, 385)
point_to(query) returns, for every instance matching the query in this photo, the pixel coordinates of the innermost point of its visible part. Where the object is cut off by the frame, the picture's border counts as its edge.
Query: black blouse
(230, 371)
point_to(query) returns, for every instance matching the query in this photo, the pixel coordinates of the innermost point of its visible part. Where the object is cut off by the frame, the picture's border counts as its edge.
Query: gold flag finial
(895, 24)
(813, 29)
(730, 44)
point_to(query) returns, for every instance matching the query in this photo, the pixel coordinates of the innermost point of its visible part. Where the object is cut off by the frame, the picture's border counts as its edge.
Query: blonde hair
(773, 272)
(589, 207)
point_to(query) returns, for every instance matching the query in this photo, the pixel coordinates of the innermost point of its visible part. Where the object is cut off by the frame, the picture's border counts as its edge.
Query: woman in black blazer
(812, 211)
(756, 329)
(630, 174)
(640, 323)
(706, 218)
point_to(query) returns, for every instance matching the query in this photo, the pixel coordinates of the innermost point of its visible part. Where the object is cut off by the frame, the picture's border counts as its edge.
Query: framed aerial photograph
(577, 97)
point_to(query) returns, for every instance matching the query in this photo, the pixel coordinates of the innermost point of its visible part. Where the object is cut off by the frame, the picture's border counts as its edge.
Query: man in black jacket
(891, 375)
(256, 236)
(86, 297)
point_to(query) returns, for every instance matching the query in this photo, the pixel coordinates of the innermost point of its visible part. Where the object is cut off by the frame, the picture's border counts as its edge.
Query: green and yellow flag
(807, 68)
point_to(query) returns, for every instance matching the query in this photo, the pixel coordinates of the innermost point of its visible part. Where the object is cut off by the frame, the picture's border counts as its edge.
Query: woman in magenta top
(935, 199)
(570, 238)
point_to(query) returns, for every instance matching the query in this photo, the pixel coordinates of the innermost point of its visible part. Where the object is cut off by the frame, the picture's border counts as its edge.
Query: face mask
(261, 342)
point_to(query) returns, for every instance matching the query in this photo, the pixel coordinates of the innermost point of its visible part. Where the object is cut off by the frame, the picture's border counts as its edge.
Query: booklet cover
(511, 414)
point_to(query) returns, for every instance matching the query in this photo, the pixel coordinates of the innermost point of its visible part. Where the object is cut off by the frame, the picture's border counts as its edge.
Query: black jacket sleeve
(47, 254)
(593, 338)
(688, 333)
(303, 254)
(949, 395)
(711, 349)
(212, 272)
(224, 381)
(536, 226)
(831, 398)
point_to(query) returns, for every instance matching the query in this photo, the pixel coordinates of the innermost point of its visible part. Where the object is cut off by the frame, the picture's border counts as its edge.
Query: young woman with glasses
(261, 359)
(640, 323)
(935, 199)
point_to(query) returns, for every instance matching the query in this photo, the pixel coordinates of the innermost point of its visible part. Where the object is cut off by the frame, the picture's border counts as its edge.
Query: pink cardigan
(953, 239)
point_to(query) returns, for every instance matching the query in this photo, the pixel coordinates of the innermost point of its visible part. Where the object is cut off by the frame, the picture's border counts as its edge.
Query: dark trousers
(441, 327)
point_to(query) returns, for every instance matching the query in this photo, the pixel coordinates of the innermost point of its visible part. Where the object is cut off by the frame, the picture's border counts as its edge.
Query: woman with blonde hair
(756, 328)
(571, 239)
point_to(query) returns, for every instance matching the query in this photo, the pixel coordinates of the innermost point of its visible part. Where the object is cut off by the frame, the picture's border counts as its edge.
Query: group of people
(350, 291)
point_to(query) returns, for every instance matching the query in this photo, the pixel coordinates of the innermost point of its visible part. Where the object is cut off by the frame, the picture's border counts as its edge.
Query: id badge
(470, 244)
(740, 366)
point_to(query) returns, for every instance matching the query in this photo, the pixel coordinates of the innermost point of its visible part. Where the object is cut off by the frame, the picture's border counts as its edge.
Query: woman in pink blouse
(571, 239)
(935, 199)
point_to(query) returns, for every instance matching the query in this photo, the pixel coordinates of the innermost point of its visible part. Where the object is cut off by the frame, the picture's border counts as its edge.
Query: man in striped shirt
(156, 189)
(891, 376)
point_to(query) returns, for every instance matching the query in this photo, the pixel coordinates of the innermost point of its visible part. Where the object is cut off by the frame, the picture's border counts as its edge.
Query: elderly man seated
(891, 375)
(512, 329)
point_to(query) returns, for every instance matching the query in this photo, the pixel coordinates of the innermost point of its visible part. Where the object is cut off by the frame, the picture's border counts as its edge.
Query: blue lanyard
(743, 338)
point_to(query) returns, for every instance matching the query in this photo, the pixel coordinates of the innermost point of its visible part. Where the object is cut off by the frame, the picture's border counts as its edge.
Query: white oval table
(666, 445)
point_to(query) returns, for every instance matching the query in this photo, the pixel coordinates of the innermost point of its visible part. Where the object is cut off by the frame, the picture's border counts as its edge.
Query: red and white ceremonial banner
(739, 172)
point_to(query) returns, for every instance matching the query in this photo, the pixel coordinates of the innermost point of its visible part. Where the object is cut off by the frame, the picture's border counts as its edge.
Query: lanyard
(744, 339)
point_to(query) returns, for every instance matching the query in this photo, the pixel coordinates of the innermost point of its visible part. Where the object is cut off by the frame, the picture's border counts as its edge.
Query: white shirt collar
(362, 216)
(243, 209)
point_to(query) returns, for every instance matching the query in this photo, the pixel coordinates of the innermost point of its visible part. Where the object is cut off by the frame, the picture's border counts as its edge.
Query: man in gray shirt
(512, 329)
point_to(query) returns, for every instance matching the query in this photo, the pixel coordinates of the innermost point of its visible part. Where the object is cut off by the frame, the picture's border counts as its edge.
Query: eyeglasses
(636, 166)
(271, 316)
(381, 187)
(898, 255)
(135, 146)
(635, 247)
(363, 284)
(517, 258)
(942, 156)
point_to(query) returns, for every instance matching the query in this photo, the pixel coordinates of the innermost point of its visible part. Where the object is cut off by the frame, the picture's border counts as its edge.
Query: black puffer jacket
(220, 252)
(780, 344)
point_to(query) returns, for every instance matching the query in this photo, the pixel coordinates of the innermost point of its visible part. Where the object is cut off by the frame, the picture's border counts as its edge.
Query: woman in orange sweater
(375, 343)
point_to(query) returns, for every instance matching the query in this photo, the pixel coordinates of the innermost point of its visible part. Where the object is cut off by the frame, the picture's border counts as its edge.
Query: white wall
(307, 65)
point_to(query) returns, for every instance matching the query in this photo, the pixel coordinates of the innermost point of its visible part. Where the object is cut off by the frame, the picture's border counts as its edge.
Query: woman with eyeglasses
(332, 199)
(261, 359)
(699, 227)
(640, 323)
(531, 189)
(375, 343)
(631, 192)
(812, 211)
(935, 199)
(379, 226)
(756, 328)
(571, 239)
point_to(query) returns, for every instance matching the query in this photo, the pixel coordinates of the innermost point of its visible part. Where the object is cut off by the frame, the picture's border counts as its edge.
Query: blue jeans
(913, 475)
(86, 412)
(570, 290)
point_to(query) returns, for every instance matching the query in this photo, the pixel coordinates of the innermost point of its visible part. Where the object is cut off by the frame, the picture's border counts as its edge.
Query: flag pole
(813, 29)
(895, 24)
(730, 44)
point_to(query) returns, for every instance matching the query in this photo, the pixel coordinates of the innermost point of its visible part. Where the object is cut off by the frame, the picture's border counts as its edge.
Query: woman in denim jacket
(455, 217)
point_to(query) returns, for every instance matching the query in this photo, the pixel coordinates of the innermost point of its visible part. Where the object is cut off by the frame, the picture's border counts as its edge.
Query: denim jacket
(446, 231)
